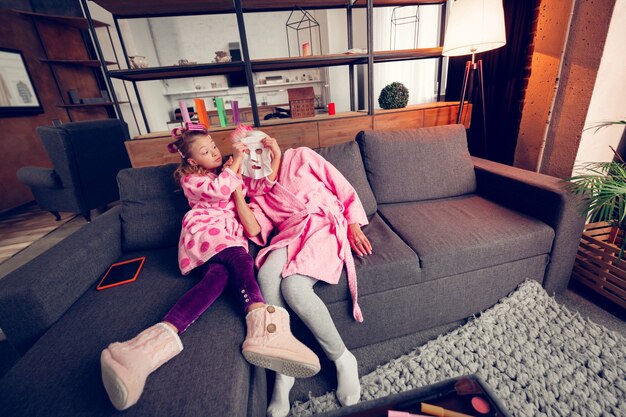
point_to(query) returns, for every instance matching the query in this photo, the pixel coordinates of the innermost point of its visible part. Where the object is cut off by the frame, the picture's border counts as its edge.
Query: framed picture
(18, 96)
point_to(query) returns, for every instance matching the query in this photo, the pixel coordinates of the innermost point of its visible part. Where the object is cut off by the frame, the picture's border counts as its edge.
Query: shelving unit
(320, 130)
(94, 63)
(62, 39)
(145, 8)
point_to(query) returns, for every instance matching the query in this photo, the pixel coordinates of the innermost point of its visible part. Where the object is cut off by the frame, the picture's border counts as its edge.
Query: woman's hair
(185, 137)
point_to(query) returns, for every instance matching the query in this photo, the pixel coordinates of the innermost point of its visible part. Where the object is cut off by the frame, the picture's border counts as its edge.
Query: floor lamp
(474, 26)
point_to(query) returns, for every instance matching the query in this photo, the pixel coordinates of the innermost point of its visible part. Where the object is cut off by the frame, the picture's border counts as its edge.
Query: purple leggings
(233, 262)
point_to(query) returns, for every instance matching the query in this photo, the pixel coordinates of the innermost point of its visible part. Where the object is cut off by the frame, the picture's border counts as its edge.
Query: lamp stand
(472, 67)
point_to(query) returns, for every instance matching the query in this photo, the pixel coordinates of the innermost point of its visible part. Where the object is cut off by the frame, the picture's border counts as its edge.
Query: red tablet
(121, 273)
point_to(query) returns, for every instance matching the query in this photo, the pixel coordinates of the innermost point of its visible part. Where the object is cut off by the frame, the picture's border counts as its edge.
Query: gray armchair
(86, 157)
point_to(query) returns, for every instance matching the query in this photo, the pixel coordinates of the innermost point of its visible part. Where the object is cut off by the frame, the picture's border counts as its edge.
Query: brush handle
(440, 411)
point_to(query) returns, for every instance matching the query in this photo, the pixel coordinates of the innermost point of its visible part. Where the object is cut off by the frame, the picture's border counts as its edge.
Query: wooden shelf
(413, 107)
(93, 63)
(390, 3)
(151, 8)
(407, 54)
(76, 22)
(307, 62)
(177, 71)
(103, 104)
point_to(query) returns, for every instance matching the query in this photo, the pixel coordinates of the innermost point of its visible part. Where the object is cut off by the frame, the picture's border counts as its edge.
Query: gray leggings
(297, 291)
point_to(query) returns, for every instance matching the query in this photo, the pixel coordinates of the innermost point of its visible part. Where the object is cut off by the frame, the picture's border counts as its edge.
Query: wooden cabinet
(148, 150)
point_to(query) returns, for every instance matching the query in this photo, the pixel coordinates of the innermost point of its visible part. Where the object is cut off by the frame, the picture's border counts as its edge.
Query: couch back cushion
(417, 164)
(346, 157)
(153, 206)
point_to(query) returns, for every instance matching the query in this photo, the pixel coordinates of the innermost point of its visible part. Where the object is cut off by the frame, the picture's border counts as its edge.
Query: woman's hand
(359, 243)
(273, 147)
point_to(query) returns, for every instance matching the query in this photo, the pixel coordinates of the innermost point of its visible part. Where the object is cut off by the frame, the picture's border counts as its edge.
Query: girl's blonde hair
(185, 138)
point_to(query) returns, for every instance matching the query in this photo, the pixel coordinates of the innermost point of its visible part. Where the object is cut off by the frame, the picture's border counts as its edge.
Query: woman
(318, 217)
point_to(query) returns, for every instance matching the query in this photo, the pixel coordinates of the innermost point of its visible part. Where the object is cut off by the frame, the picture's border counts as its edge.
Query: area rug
(539, 358)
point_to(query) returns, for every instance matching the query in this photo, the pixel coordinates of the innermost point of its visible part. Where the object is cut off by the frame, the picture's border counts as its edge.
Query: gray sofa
(451, 234)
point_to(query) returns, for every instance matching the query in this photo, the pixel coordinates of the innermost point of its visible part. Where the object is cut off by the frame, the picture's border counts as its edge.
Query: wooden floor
(20, 228)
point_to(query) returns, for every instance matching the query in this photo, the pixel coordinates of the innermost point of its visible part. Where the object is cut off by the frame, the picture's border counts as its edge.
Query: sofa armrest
(35, 296)
(39, 177)
(542, 197)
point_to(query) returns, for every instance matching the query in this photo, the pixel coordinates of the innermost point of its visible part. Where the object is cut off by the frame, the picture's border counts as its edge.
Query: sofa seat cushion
(466, 233)
(393, 264)
(60, 374)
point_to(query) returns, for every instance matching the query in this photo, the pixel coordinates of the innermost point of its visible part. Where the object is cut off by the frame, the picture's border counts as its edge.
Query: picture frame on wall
(18, 96)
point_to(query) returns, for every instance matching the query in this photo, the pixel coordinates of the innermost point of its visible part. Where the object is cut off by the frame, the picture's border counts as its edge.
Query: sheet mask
(258, 163)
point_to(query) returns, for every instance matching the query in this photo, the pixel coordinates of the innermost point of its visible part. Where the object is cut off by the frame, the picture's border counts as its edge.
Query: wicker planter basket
(597, 265)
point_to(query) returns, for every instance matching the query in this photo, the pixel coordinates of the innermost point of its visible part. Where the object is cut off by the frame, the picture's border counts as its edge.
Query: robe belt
(341, 231)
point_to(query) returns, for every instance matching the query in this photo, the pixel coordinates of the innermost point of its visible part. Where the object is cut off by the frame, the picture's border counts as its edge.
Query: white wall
(608, 101)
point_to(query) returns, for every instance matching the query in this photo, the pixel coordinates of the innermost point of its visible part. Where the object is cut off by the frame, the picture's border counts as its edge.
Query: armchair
(86, 157)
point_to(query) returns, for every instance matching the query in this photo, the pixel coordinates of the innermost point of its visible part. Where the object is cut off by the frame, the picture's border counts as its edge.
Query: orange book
(203, 117)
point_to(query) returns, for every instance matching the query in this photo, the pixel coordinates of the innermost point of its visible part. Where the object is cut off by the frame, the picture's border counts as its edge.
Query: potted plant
(599, 263)
(603, 186)
(393, 96)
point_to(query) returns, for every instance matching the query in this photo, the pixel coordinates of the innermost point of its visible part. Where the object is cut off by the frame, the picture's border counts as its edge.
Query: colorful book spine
(235, 107)
(183, 111)
(203, 117)
(219, 103)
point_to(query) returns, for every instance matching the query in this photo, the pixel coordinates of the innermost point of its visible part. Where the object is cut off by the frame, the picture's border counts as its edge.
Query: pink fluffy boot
(270, 344)
(125, 366)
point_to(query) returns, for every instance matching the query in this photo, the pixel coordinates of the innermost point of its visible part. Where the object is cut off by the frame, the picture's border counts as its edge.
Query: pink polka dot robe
(212, 224)
(310, 206)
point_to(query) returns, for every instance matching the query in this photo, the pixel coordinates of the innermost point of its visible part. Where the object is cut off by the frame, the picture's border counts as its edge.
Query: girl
(318, 217)
(213, 243)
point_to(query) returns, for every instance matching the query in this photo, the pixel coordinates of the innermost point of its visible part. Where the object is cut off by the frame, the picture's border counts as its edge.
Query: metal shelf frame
(239, 8)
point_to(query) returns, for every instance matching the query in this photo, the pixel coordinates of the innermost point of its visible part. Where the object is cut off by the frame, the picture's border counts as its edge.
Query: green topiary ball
(394, 96)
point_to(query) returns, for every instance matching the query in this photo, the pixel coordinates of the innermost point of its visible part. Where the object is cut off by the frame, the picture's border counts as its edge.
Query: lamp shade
(474, 26)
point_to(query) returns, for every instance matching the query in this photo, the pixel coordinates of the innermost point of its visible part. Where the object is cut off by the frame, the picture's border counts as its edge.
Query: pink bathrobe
(311, 206)
(212, 224)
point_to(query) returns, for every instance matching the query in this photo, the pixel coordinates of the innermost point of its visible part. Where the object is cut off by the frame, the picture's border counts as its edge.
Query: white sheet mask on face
(258, 163)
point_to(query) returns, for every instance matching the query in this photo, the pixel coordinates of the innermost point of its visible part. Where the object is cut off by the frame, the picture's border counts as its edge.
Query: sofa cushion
(417, 164)
(392, 265)
(466, 233)
(346, 157)
(153, 206)
(60, 375)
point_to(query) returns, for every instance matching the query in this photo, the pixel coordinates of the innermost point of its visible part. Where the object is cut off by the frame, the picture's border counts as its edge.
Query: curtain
(506, 72)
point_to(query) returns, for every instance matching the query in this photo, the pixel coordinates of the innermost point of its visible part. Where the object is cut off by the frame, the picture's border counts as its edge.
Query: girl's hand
(228, 163)
(359, 243)
(239, 150)
(273, 147)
